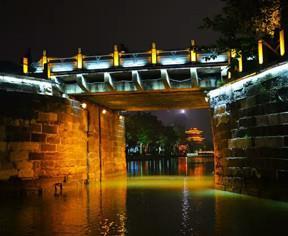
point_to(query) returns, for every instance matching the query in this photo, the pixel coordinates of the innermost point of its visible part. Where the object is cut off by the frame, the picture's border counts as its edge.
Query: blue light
(96, 65)
(62, 67)
(135, 62)
(205, 58)
(174, 60)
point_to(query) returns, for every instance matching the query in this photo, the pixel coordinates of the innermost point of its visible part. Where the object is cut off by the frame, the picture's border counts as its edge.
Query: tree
(242, 23)
(149, 133)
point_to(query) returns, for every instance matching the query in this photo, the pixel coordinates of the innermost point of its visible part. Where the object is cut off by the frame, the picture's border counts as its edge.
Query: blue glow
(202, 58)
(236, 85)
(134, 62)
(62, 67)
(39, 70)
(96, 65)
(173, 60)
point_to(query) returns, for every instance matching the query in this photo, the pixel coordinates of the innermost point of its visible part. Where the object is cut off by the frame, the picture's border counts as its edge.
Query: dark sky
(190, 119)
(61, 26)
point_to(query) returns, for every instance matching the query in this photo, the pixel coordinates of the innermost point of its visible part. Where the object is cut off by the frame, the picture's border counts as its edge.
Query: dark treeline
(145, 134)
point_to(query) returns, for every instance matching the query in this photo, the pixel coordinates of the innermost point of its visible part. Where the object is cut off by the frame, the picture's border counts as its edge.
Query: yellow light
(25, 65)
(48, 71)
(229, 75)
(260, 52)
(84, 105)
(154, 54)
(44, 58)
(121, 117)
(79, 59)
(116, 61)
(193, 54)
(104, 111)
(282, 42)
(240, 62)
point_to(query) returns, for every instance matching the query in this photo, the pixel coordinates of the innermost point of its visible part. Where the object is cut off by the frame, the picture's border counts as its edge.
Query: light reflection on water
(177, 201)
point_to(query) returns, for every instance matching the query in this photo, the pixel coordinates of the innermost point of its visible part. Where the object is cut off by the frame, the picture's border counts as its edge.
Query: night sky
(61, 26)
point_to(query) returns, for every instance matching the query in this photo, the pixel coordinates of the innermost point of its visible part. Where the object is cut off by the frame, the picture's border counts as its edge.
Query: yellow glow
(116, 61)
(282, 42)
(84, 105)
(260, 52)
(193, 54)
(104, 111)
(121, 117)
(233, 53)
(48, 71)
(79, 59)
(25, 65)
(44, 58)
(154, 54)
(240, 63)
(229, 75)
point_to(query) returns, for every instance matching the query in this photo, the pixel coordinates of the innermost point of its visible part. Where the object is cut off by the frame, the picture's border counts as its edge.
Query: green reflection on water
(145, 205)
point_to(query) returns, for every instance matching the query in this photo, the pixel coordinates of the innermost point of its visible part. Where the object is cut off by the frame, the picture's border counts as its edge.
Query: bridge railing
(119, 59)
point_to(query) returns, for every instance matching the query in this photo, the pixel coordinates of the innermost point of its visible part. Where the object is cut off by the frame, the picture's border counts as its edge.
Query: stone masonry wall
(52, 138)
(250, 126)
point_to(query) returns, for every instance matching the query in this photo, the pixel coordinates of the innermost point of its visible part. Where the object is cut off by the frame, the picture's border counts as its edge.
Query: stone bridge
(47, 136)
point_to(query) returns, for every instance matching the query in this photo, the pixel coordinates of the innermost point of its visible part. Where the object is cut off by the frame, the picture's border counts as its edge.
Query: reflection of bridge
(138, 81)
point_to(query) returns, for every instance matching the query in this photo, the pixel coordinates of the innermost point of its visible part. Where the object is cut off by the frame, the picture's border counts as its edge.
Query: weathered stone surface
(52, 138)
(257, 135)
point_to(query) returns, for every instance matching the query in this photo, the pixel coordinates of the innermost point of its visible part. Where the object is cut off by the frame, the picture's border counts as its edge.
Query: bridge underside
(147, 101)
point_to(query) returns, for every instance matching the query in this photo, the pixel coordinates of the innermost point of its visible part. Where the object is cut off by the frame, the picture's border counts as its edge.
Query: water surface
(158, 198)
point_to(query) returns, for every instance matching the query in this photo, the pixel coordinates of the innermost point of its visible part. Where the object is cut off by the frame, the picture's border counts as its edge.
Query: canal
(160, 197)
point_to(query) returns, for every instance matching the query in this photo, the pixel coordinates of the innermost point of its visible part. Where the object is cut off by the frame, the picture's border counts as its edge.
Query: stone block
(47, 117)
(262, 120)
(53, 139)
(274, 119)
(41, 138)
(18, 156)
(48, 147)
(50, 129)
(35, 156)
(240, 143)
(26, 173)
(2, 133)
(23, 146)
(283, 118)
(269, 141)
(3, 146)
(36, 128)
(17, 134)
(5, 174)
(23, 165)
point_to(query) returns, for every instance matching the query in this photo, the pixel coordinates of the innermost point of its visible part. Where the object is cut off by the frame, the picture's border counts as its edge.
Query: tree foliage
(142, 128)
(242, 23)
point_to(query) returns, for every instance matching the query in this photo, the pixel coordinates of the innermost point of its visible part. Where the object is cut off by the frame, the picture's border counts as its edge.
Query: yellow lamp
(282, 42)
(193, 54)
(44, 58)
(260, 52)
(116, 59)
(154, 54)
(25, 65)
(79, 59)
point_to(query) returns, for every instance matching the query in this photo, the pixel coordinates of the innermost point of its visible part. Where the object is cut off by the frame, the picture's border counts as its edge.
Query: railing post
(193, 53)
(282, 42)
(79, 59)
(154, 54)
(116, 60)
(260, 52)
(25, 65)
(44, 58)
